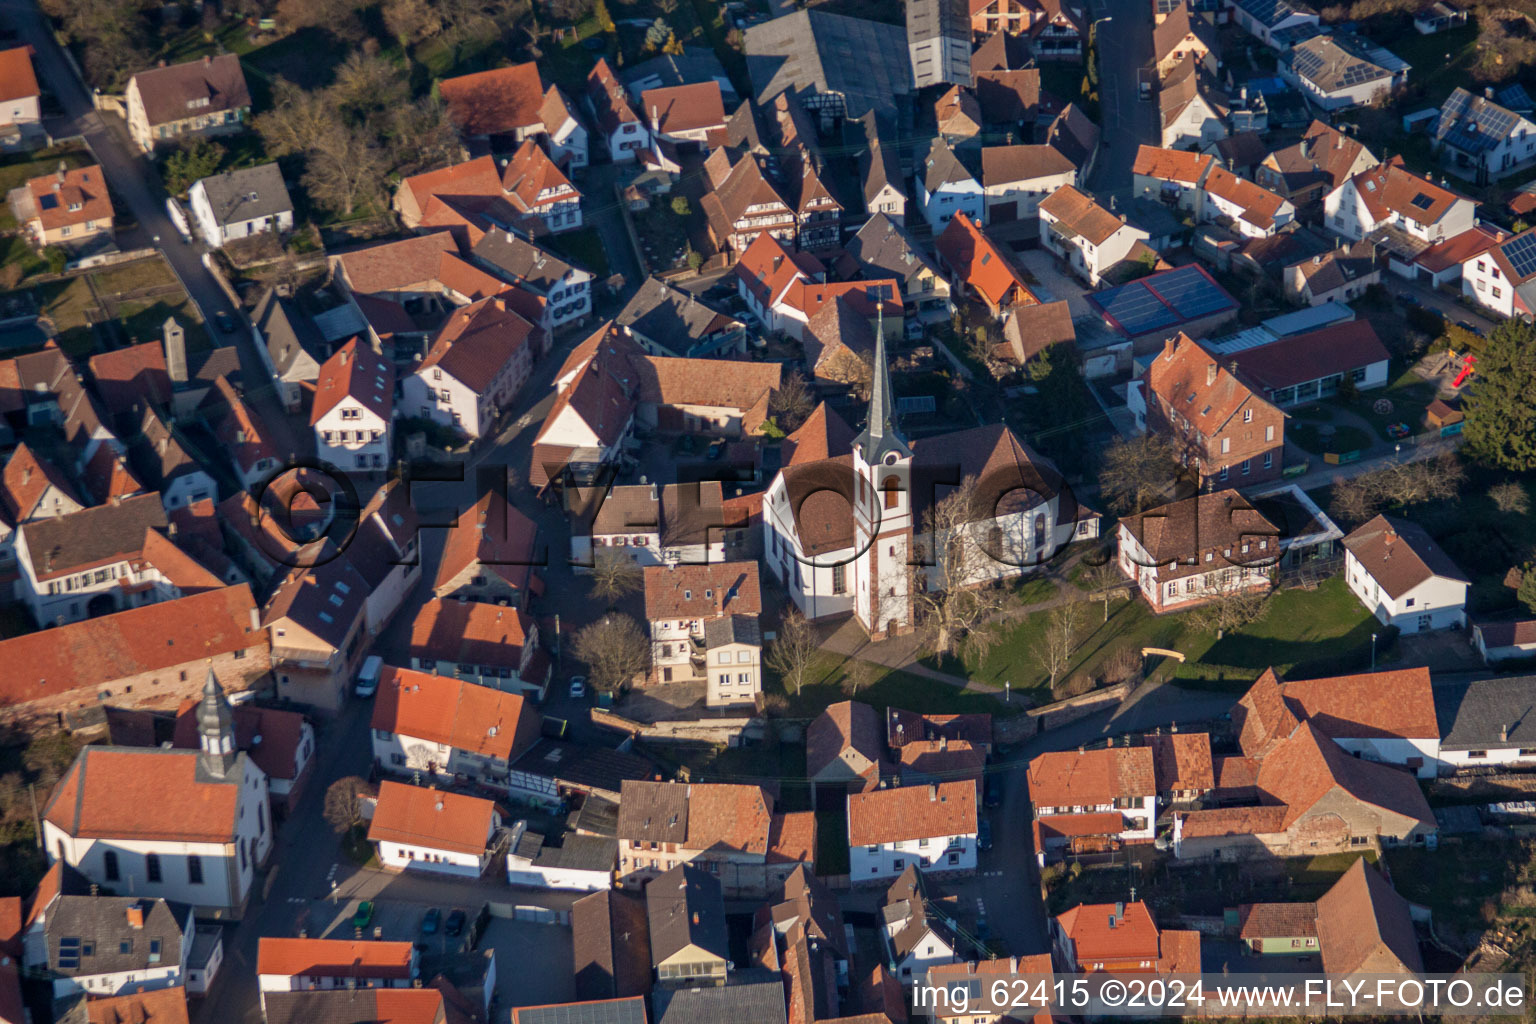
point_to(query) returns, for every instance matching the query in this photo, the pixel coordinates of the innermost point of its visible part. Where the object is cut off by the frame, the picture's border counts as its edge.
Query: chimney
(1488, 92)
(1210, 374)
(933, 792)
(136, 917)
(207, 60)
(1503, 734)
(943, 743)
(1119, 911)
(174, 339)
(255, 619)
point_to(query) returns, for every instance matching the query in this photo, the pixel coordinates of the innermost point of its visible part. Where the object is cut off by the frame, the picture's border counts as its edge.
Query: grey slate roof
(605, 1011)
(941, 167)
(755, 995)
(672, 317)
(1472, 715)
(654, 812)
(878, 166)
(575, 764)
(246, 194)
(732, 629)
(92, 536)
(537, 269)
(883, 248)
(294, 342)
(866, 62)
(100, 926)
(684, 907)
(596, 816)
(580, 853)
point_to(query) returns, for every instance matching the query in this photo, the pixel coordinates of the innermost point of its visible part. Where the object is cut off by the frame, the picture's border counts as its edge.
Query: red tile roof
(97, 652)
(823, 435)
(493, 534)
(395, 266)
(495, 102)
(243, 435)
(18, 81)
(702, 591)
(333, 958)
(1182, 761)
(846, 725)
(26, 479)
(1134, 935)
(458, 714)
(1457, 249)
(1400, 554)
(912, 812)
(966, 249)
(530, 174)
(434, 818)
(1308, 766)
(478, 341)
(157, 1006)
(153, 794)
(608, 97)
(683, 108)
(1072, 778)
(1078, 212)
(72, 197)
(1301, 358)
(1178, 375)
(792, 838)
(1390, 188)
(1259, 205)
(1178, 165)
(355, 371)
(1069, 826)
(1373, 705)
(470, 632)
(270, 736)
(477, 177)
(1364, 925)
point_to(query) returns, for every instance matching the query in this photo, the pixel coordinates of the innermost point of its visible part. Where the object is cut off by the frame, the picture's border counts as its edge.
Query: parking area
(1054, 284)
(534, 962)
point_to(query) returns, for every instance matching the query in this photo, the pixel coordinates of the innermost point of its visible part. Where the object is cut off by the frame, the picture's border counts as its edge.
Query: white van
(368, 676)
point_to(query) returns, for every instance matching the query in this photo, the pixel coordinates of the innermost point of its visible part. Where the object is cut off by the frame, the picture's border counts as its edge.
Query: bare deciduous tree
(1138, 472)
(615, 650)
(1397, 485)
(792, 403)
(614, 574)
(1233, 601)
(1058, 641)
(860, 675)
(793, 651)
(1511, 496)
(953, 602)
(341, 810)
(1103, 581)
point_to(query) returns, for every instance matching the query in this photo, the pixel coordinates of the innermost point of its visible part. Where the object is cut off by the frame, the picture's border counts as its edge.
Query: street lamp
(1373, 652)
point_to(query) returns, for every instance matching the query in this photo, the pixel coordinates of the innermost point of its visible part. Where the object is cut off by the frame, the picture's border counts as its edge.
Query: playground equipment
(1468, 368)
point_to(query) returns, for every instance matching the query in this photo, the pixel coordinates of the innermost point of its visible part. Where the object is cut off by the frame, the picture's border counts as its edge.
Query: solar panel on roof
(1521, 253)
(1422, 201)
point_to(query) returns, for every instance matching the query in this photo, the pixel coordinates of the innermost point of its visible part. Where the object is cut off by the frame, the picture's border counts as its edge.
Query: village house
(107, 945)
(1478, 730)
(536, 188)
(1060, 33)
(1438, 17)
(958, 116)
(884, 250)
(1504, 641)
(1303, 368)
(844, 752)
(593, 412)
(980, 270)
(1171, 176)
(729, 831)
(1120, 938)
(1084, 234)
(682, 603)
(70, 208)
(1198, 549)
(304, 964)
(555, 771)
(565, 288)
(679, 524)
(21, 116)
(1180, 35)
(683, 119)
(1404, 578)
(503, 108)
(240, 204)
(685, 915)
(293, 346)
(745, 199)
(611, 945)
(160, 458)
(918, 935)
(1016, 178)
(667, 321)
(1087, 801)
(185, 826)
(32, 487)
(1482, 140)
(488, 644)
(1308, 169)
(1359, 926)
(1339, 71)
(786, 290)
(622, 129)
(932, 827)
(577, 862)
(433, 830)
(353, 409)
(490, 555)
(244, 437)
(1192, 109)
(880, 175)
(1222, 427)
(946, 188)
(970, 1002)
(1341, 275)
(1252, 210)
(1399, 210)
(477, 365)
(206, 97)
(1500, 278)
(317, 616)
(164, 1006)
(1271, 21)
(430, 724)
(151, 657)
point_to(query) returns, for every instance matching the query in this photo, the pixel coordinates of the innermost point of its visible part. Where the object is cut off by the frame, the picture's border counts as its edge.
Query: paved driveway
(1061, 285)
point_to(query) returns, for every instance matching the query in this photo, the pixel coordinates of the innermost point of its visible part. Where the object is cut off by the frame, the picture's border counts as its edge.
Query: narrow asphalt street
(135, 182)
(1124, 40)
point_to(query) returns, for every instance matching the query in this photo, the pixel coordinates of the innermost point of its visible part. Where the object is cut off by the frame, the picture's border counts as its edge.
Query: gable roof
(867, 62)
(846, 725)
(684, 108)
(670, 316)
(246, 193)
(470, 632)
(497, 101)
(608, 98)
(684, 908)
(1300, 358)
(155, 1006)
(1074, 134)
(611, 943)
(453, 712)
(1361, 916)
(69, 197)
(477, 341)
(1132, 935)
(1184, 166)
(1180, 531)
(1002, 165)
(1308, 765)
(1197, 386)
(883, 248)
(326, 599)
(91, 537)
(434, 818)
(179, 91)
(701, 591)
(493, 534)
(1072, 778)
(148, 794)
(1323, 154)
(1030, 330)
(1331, 63)
(18, 80)
(1259, 205)
(965, 247)
(1400, 555)
(1390, 188)
(334, 958)
(823, 434)
(1397, 704)
(1077, 212)
(395, 266)
(1182, 761)
(529, 174)
(27, 478)
(941, 167)
(912, 812)
(1006, 97)
(355, 371)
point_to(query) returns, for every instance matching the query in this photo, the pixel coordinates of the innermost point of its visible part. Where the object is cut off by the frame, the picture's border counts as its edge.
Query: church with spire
(189, 826)
(848, 519)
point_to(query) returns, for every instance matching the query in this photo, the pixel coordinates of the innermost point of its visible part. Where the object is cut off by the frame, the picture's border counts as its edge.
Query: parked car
(225, 321)
(578, 687)
(431, 921)
(716, 450)
(984, 835)
(364, 916)
(1407, 298)
(455, 923)
(368, 676)
(993, 791)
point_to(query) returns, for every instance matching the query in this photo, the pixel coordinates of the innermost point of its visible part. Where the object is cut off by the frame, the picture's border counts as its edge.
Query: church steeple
(881, 437)
(216, 727)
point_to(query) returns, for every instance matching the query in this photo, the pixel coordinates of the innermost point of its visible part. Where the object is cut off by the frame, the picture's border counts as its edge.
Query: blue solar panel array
(1473, 124)
(1164, 300)
(1521, 253)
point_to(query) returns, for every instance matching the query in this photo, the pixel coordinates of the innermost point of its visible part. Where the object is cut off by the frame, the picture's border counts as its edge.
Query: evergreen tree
(1501, 406)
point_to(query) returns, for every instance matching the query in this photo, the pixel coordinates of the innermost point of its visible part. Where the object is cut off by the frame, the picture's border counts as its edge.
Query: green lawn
(583, 247)
(1344, 438)
(828, 683)
(1302, 633)
(15, 171)
(1428, 53)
